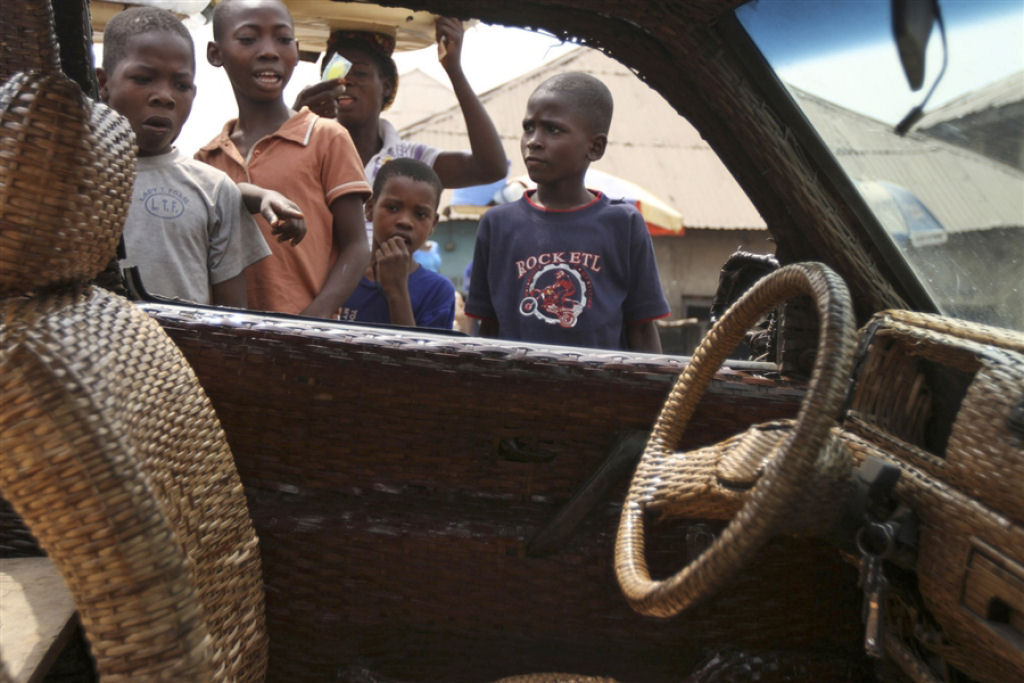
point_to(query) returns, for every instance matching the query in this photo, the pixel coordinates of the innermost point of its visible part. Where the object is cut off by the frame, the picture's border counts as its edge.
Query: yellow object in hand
(336, 68)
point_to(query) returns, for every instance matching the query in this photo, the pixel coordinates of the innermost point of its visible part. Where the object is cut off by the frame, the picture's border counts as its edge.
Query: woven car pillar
(27, 40)
(112, 454)
(117, 463)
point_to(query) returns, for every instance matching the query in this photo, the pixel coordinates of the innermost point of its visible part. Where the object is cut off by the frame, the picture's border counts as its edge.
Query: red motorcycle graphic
(555, 299)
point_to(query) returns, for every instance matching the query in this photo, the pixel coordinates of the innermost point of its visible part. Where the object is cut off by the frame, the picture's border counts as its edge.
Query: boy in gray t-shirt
(188, 231)
(189, 228)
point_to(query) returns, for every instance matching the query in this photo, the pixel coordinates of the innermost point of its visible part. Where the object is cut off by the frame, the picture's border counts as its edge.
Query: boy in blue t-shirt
(564, 264)
(396, 289)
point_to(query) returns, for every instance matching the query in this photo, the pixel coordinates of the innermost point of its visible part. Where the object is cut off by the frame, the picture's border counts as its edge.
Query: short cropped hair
(133, 21)
(408, 168)
(587, 95)
(221, 11)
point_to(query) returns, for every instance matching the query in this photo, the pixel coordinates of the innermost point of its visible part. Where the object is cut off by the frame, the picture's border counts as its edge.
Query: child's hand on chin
(391, 263)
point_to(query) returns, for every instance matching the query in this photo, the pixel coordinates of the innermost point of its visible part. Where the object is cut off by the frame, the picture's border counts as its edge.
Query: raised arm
(354, 254)
(486, 162)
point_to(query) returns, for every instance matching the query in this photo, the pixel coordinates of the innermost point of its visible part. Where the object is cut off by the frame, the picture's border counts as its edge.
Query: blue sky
(857, 66)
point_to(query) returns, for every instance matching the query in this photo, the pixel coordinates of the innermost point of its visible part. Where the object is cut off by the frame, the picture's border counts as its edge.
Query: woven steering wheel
(785, 477)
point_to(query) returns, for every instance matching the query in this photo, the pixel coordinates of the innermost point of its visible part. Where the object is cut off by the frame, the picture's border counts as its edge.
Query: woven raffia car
(232, 495)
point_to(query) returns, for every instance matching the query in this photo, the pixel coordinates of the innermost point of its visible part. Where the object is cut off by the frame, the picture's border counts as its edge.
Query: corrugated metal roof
(419, 96)
(649, 144)
(653, 146)
(963, 189)
(1001, 93)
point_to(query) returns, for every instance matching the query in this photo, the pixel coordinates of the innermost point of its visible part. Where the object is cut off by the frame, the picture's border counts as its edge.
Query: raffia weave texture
(27, 40)
(770, 506)
(66, 171)
(118, 465)
(112, 454)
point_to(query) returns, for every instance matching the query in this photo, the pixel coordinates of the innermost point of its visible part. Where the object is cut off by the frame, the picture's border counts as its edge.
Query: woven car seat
(111, 451)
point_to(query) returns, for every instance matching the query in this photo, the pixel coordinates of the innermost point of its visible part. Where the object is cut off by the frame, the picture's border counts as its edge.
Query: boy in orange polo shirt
(305, 157)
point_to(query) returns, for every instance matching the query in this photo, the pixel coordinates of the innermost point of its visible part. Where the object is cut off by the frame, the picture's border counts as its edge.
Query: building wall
(978, 275)
(455, 238)
(689, 265)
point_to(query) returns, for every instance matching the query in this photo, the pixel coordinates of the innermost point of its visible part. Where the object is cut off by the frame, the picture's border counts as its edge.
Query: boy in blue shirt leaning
(564, 264)
(396, 288)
